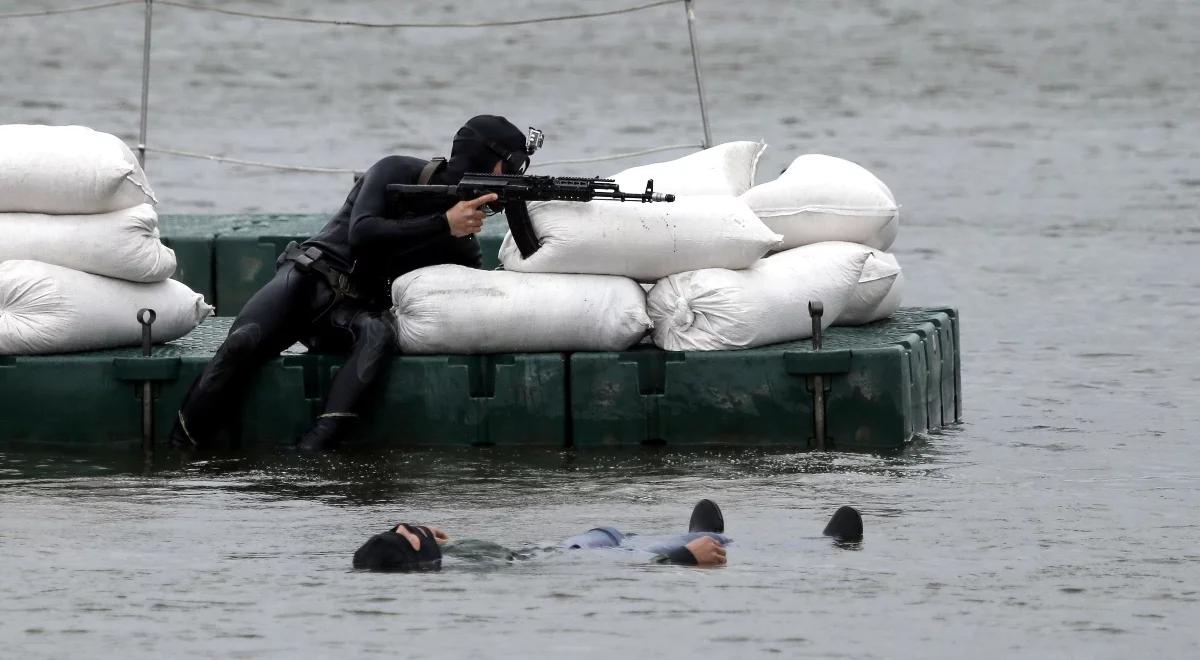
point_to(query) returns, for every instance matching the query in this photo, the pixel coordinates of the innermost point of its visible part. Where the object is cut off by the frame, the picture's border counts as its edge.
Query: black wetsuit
(377, 242)
(372, 240)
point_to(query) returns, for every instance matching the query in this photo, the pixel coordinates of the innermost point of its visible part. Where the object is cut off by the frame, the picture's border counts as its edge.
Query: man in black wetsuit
(332, 292)
(405, 547)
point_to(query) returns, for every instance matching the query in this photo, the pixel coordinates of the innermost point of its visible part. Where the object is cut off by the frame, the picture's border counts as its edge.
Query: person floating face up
(406, 547)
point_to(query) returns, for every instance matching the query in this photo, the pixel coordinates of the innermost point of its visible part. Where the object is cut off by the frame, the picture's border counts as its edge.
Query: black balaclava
(845, 525)
(391, 552)
(471, 153)
(706, 517)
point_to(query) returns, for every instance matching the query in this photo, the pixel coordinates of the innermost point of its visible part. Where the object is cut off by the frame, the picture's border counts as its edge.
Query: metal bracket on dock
(806, 363)
(815, 310)
(146, 317)
(146, 370)
(817, 366)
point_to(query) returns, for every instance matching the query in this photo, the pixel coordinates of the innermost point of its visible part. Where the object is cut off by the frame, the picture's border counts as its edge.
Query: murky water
(1048, 159)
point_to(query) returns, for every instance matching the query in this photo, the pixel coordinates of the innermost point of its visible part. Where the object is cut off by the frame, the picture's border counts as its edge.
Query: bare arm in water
(704, 551)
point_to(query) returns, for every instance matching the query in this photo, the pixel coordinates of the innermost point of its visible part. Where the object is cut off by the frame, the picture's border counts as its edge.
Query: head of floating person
(492, 144)
(404, 548)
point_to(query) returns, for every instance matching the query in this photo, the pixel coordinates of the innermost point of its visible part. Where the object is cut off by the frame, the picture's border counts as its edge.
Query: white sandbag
(717, 309)
(726, 169)
(68, 169)
(51, 309)
(455, 309)
(642, 241)
(822, 198)
(879, 291)
(122, 244)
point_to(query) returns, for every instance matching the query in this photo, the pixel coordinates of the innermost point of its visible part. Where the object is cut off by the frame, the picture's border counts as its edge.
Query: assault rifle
(512, 191)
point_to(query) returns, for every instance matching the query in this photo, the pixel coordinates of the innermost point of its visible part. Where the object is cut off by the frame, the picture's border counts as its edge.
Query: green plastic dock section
(230, 257)
(191, 237)
(245, 255)
(884, 383)
(94, 398)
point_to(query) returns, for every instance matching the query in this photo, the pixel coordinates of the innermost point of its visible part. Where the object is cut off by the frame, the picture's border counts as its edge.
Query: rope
(69, 10)
(295, 19)
(630, 154)
(339, 170)
(319, 21)
(251, 163)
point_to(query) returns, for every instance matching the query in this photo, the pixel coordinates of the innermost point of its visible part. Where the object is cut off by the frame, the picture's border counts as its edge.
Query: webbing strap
(429, 170)
(311, 259)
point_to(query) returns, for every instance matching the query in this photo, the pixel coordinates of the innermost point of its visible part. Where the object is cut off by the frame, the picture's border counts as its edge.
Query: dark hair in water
(391, 552)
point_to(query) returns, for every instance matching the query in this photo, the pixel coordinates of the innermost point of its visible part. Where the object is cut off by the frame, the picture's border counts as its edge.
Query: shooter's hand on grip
(465, 218)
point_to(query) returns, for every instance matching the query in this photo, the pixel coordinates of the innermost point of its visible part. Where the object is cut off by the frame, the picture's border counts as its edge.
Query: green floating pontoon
(882, 383)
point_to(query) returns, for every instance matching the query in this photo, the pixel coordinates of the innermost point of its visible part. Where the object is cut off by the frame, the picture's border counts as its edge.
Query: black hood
(471, 151)
(391, 552)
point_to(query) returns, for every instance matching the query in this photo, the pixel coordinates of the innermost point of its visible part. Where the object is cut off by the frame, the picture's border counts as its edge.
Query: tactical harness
(313, 259)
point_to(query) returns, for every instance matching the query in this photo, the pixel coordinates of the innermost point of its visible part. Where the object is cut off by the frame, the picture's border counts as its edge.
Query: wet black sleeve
(370, 224)
(680, 555)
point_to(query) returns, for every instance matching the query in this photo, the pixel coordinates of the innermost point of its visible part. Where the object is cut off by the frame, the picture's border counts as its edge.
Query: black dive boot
(706, 517)
(325, 435)
(845, 525)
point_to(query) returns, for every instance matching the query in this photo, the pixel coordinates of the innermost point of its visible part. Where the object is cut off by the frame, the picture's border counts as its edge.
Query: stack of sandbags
(823, 198)
(578, 291)
(81, 251)
(707, 226)
(713, 289)
(835, 219)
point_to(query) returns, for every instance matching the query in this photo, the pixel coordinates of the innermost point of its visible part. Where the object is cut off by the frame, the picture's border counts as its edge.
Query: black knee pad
(242, 343)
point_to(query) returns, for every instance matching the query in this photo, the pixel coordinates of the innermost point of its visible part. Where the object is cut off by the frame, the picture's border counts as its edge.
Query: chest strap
(429, 170)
